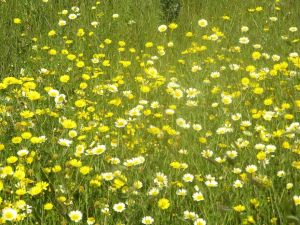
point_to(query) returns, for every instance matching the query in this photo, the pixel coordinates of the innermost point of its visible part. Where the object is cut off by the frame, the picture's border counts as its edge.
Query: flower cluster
(199, 125)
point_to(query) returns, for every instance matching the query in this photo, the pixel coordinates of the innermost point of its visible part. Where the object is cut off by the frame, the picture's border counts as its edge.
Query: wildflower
(51, 33)
(33, 95)
(107, 176)
(200, 221)
(153, 192)
(119, 207)
(64, 78)
(162, 28)
(173, 26)
(273, 18)
(251, 169)
(75, 216)
(244, 40)
(85, 170)
(69, 124)
(80, 64)
(296, 199)
(202, 23)
(22, 152)
(72, 16)
(244, 28)
(65, 142)
(161, 179)
(239, 208)
(9, 214)
(211, 183)
(62, 23)
(238, 184)
(17, 21)
(147, 220)
(226, 100)
(188, 177)
(163, 203)
(121, 123)
(53, 93)
(293, 29)
(98, 150)
(115, 16)
(181, 192)
(190, 215)
(48, 206)
(95, 24)
(91, 220)
(198, 196)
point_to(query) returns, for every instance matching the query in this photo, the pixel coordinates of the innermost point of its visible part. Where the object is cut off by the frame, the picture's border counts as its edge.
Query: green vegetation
(150, 112)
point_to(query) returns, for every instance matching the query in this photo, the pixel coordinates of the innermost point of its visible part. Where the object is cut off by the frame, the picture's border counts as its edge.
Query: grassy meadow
(110, 114)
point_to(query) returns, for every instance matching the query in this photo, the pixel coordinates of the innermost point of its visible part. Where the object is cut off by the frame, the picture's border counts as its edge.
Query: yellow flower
(71, 57)
(21, 192)
(288, 116)
(202, 140)
(35, 190)
(12, 159)
(56, 169)
(75, 163)
(51, 33)
(261, 156)
(258, 8)
(175, 165)
(26, 114)
(296, 200)
(268, 101)
(80, 32)
(80, 103)
(103, 129)
(80, 64)
(26, 135)
(239, 208)
(69, 124)
(225, 17)
(85, 170)
(149, 45)
(2, 147)
(17, 21)
(163, 203)
(189, 34)
(107, 41)
(245, 81)
(256, 55)
(106, 63)
(258, 90)
(16, 140)
(118, 183)
(62, 198)
(48, 206)
(33, 95)
(52, 52)
(145, 89)
(296, 164)
(173, 26)
(64, 78)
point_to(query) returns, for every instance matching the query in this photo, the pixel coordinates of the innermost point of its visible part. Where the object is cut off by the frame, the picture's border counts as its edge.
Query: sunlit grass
(111, 115)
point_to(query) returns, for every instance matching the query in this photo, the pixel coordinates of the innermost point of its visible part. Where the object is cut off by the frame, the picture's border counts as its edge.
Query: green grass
(155, 74)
